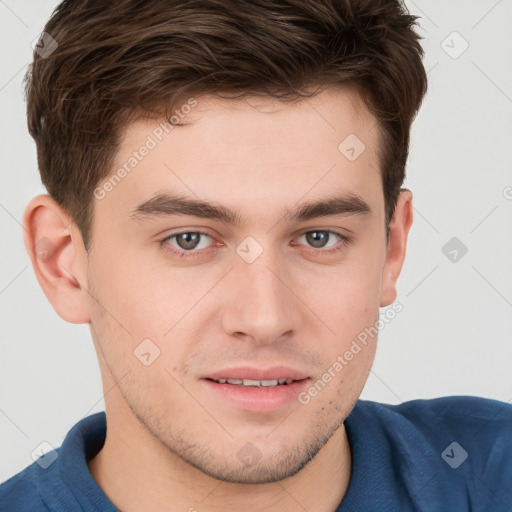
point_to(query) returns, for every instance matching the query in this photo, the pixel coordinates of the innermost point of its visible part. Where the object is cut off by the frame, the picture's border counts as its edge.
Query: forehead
(255, 151)
(264, 120)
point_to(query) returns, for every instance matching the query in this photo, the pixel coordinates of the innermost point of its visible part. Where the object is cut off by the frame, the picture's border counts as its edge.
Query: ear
(395, 254)
(55, 247)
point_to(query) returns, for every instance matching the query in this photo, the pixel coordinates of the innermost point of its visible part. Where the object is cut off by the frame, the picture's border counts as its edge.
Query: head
(225, 192)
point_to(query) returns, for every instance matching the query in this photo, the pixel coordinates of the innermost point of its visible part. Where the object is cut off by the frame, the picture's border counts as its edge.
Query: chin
(260, 471)
(252, 465)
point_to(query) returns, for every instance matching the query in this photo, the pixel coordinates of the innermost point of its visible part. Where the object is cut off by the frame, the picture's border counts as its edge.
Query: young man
(225, 213)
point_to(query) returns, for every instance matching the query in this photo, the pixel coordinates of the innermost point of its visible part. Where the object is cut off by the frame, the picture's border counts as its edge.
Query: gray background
(453, 336)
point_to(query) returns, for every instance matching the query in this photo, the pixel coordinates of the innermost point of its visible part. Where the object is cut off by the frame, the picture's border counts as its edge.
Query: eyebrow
(170, 204)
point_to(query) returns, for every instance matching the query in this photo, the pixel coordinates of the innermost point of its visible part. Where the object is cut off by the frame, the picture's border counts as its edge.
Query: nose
(261, 306)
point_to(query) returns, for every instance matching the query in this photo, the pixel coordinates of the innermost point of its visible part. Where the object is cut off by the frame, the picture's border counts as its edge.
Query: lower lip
(257, 399)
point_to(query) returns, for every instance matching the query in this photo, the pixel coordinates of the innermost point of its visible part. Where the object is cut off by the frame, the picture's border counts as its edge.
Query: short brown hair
(119, 58)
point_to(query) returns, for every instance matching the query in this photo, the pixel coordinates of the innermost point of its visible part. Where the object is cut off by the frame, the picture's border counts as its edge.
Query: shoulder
(467, 417)
(481, 426)
(60, 479)
(452, 452)
(20, 491)
(452, 412)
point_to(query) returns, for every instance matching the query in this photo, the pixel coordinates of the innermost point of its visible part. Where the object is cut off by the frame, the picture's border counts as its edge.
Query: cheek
(145, 298)
(345, 298)
(141, 312)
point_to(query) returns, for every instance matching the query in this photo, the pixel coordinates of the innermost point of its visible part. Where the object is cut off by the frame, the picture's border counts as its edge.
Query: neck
(138, 473)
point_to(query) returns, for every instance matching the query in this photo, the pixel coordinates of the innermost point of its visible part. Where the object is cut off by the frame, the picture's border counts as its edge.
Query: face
(255, 285)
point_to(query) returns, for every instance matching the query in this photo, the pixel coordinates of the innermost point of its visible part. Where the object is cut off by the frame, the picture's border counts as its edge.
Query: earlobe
(395, 254)
(55, 247)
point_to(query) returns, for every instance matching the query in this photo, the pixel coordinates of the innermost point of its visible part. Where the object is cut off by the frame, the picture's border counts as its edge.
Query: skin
(172, 444)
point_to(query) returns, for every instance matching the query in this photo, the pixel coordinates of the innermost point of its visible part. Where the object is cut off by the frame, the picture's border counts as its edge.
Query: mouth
(269, 383)
(256, 390)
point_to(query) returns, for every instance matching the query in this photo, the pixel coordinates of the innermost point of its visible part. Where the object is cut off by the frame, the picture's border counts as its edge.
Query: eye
(324, 238)
(186, 241)
(192, 243)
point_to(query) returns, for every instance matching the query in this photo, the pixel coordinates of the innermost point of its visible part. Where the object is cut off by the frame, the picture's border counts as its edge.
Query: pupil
(317, 238)
(188, 240)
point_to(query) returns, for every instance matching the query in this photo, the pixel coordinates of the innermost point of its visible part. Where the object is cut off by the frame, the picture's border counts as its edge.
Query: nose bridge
(260, 305)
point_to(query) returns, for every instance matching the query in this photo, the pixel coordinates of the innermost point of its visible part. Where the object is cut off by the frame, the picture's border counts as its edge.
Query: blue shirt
(446, 454)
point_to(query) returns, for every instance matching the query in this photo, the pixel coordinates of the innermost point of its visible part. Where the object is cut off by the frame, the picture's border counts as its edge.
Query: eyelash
(345, 240)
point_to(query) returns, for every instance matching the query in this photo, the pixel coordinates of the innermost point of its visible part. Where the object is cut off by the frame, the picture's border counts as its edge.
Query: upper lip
(251, 373)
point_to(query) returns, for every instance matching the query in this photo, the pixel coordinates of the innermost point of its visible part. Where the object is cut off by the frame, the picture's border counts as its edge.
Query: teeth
(266, 383)
(234, 381)
(249, 382)
(257, 383)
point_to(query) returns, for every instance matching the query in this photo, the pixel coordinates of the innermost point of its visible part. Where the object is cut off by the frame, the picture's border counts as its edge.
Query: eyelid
(181, 252)
(344, 240)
